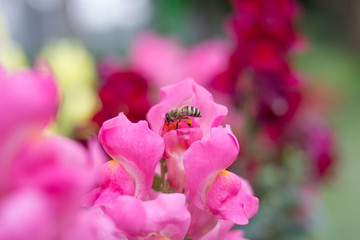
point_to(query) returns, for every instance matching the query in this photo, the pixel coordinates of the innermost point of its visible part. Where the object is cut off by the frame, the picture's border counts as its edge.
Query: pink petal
(222, 231)
(26, 213)
(207, 59)
(128, 213)
(135, 146)
(97, 156)
(91, 224)
(250, 203)
(204, 159)
(201, 222)
(120, 120)
(28, 101)
(167, 214)
(168, 53)
(89, 199)
(114, 177)
(227, 199)
(233, 210)
(174, 62)
(57, 165)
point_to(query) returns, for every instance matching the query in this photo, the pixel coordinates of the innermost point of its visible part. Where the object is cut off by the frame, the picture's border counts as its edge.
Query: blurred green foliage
(332, 62)
(190, 21)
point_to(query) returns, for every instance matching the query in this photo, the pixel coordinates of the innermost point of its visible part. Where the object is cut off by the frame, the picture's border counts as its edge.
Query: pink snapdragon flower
(199, 193)
(197, 157)
(176, 142)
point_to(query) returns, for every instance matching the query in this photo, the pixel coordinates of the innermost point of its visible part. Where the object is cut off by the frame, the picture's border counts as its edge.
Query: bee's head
(167, 119)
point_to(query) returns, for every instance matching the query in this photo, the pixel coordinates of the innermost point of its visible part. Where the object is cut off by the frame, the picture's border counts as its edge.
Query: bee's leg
(177, 124)
(188, 121)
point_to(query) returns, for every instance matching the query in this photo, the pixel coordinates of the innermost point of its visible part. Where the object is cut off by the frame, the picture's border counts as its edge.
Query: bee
(182, 112)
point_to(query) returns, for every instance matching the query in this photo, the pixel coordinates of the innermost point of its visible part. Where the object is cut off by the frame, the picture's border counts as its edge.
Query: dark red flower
(123, 91)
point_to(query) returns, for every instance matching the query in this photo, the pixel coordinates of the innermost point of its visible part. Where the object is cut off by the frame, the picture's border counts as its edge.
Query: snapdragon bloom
(197, 156)
(171, 182)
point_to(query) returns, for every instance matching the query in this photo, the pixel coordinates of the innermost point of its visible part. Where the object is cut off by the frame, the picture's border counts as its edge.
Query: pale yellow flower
(74, 69)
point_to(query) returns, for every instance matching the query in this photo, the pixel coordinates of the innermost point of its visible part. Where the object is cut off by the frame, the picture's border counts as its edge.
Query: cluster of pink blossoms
(161, 184)
(192, 194)
(43, 176)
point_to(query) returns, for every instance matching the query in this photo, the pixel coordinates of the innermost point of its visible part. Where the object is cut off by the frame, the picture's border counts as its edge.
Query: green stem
(163, 171)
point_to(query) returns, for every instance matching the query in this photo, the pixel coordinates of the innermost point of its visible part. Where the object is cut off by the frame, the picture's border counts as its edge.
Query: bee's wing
(186, 101)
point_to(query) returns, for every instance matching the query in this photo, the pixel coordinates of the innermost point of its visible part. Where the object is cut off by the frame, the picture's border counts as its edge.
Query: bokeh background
(331, 60)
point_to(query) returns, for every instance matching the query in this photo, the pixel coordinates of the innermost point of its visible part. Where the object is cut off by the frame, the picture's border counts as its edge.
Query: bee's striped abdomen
(190, 111)
(197, 113)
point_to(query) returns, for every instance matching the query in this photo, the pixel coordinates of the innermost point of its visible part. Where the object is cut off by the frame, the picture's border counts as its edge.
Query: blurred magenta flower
(264, 35)
(28, 101)
(174, 63)
(319, 146)
(42, 177)
(277, 100)
(24, 213)
(263, 25)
